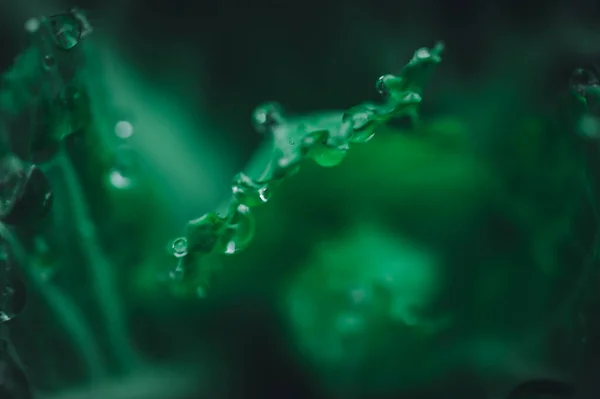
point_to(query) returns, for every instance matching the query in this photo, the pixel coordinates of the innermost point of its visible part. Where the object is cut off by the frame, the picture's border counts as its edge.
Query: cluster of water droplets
(323, 137)
(25, 193)
(12, 289)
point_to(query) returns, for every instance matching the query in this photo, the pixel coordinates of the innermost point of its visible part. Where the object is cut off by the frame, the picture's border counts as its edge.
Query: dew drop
(49, 62)
(247, 191)
(25, 193)
(363, 123)
(381, 86)
(13, 293)
(266, 116)
(179, 247)
(12, 301)
(328, 157)
(66, 31)
(240, 231)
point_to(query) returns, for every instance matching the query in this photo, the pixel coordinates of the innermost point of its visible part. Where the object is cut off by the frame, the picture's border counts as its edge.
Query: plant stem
(100, 269)
(64, 310)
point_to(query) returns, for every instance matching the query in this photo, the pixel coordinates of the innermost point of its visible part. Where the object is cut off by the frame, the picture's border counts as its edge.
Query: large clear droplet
(240, 230)
(328, 157)
(362, 123)
(13, 300)
(247, 191)
(179, 248)
(66, 30)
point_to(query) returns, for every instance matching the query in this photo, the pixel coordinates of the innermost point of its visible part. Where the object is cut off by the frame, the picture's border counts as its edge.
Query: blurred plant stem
(100, 267)
(63, 308)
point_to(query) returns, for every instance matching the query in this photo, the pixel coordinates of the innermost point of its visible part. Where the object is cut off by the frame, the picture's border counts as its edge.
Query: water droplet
(249, 192)
(25, 193)
(66, 30)
(49, 62)
(240, 231)
(362, 122)
(313, 140)
(381, 86)
(124, 129)
(266, 116)
(179, 247)
(203, 233)
(328, 157)
(12, 301)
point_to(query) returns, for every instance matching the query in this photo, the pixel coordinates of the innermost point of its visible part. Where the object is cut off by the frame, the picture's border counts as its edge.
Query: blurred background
(454, 259)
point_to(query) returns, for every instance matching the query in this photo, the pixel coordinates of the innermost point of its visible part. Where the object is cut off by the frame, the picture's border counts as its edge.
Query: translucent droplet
(240, 231)
(362, 122)
(203, 233)
(328, 157)
(179, 247)
(66, 30)
(49, 62)
(266, 116)
(124, 129)
(381, 86)
(249, 192)
(13, 300)
(313, 140)
(25, 193)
